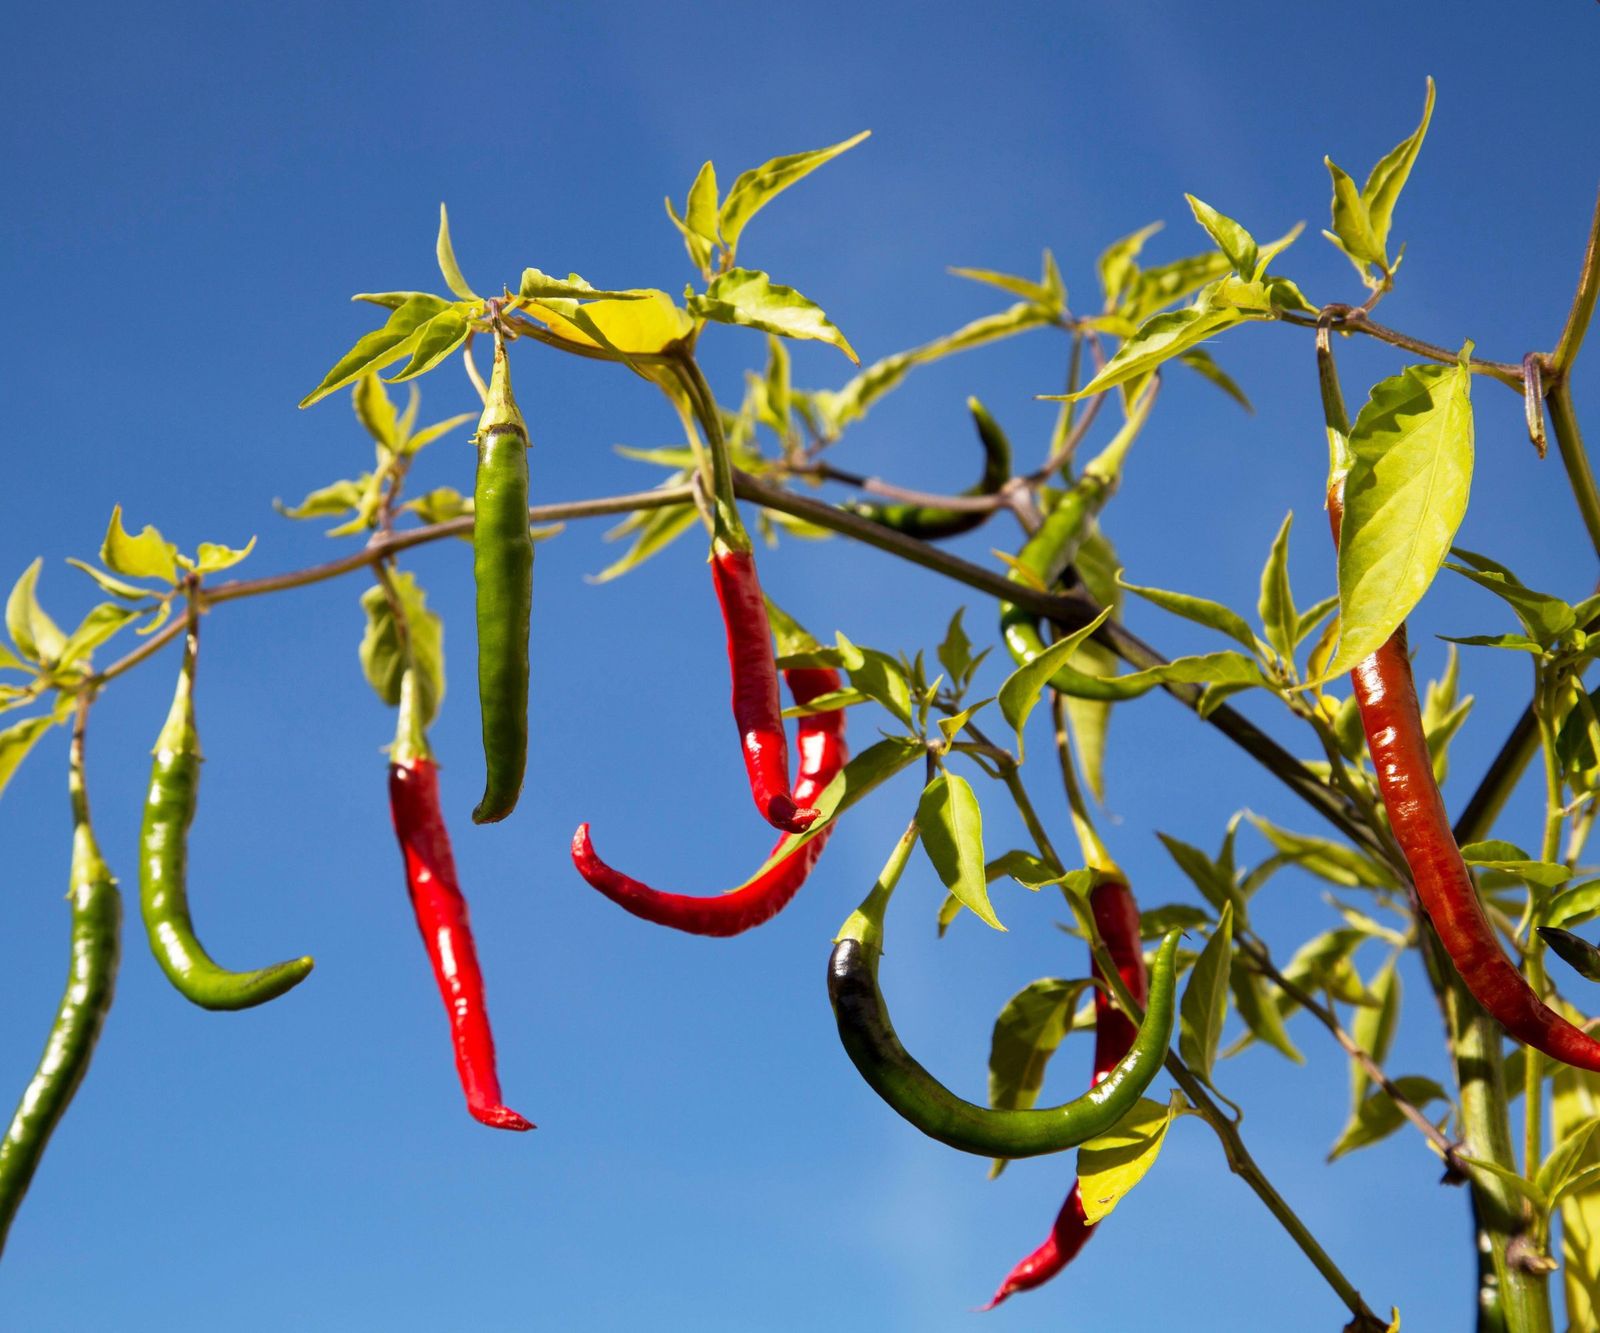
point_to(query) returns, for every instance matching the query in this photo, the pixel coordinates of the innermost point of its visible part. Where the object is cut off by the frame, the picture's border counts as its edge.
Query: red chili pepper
(1116, 916)
(822, 755)
(755, 689)
(442, 917)
(1387, 697)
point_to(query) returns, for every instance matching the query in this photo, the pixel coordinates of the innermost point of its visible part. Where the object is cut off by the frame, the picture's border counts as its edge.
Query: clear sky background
(191, 194)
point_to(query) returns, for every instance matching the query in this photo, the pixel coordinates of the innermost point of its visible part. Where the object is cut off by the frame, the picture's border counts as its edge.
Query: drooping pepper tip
(501, 1117)
(784, 814)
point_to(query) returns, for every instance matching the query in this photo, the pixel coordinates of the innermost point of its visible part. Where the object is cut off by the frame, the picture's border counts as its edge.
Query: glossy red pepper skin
(756, 709)
(441, 913)
(1116, 917)
(1387, 698)
(822, 755)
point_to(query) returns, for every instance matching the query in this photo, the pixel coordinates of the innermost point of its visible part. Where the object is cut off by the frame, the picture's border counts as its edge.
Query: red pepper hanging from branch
(756, 707)
(1387, 698)
(822, 755)
(442, 911)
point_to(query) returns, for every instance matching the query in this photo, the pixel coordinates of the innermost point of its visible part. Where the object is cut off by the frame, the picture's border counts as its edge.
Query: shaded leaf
(952, 836)
(1205, 999)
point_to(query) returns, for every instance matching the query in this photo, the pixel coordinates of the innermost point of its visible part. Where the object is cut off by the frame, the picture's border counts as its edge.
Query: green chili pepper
(163, 867)
(502, 568)
(1047, 554)
(91, 978)
(910, 1090)
(930, 522)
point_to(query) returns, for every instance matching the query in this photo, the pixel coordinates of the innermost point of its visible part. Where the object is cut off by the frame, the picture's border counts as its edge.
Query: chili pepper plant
(1159, 976)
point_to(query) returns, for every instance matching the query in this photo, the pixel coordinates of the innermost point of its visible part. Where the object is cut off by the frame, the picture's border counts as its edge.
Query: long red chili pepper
(1387, 697)
(756, 709)
(446, 932)
(822, 755)
(1116, 916)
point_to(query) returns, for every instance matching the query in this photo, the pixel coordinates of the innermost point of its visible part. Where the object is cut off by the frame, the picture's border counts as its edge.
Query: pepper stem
(411, 726)
(865, 924)
(727, 527)
(178, 734)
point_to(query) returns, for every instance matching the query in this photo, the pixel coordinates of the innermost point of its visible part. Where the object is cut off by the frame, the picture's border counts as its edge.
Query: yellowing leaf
(645, 325)
(1111, 1165)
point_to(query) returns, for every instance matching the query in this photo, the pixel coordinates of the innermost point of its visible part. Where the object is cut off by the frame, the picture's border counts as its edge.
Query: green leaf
(880, 677)
(1546, 618)
(1574, 906)
(1404, 498)
(383, 657)
(412, 444)
(1215, 884)
(863, 775)
(15, 742)
(658, 530)
(749, 298)
(1494, 1171)
(1278, 615)
(373, 351)
(1327, 860)
(1024, 867)
(1201, 610)
(1378, 1116)
(1383, 186)
(1352, 227)
(447, 260)
(1047, 293)
(115, 586)
(1026, 1034)
(1372, 1029)
(538, 286)
(1023, 686)
(213, 557)
(1205, 999)
(1159, 287)
(952, 836)
(1154, 922)
(147, 556)
(1111, 1165)
(1506, 856)
(35, 635)
(432, 342)
(1090, 719)
(1116, 267)
(94, 629)
(754, 190)
(1158, 339)
(375, 411)
(1313, 616)
(337, 498)
(1323, 964)
(955, 652)
(1224, 668)
(1238, 245)
(1199, 360)
(1261, 1016)
(1562, 1161)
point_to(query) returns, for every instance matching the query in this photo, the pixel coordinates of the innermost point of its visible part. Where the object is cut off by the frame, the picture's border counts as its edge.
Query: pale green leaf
(147, 556)
(1378, 1116)
(750, 298)
(213, 557)
(1205, 999)
(660, 528)
(1117, 267)
(1159, 339)
(447, 260)
(1372, 1029)
(382, 347)
(375, 411)
(1508, 857)
(1262, 1018)
(1278, 615)
(94, 629)
(35, 635)
(115, 586)
(753, 190)
(15, 742)
(411, 444)
(1389, 176)
(1404, 498)
(1200, 361)
(1022, 687)
(383, 651)
(952, 836)
(1201, 610)
(1238, 245)
(432, 342)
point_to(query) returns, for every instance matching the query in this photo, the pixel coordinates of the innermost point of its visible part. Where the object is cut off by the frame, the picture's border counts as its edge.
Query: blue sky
(192, 194)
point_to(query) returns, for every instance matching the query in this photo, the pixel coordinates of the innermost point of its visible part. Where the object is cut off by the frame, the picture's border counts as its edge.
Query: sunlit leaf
(750, 298)
(1112, 1164)
(952, 836)
(753, 190)
(447, 260)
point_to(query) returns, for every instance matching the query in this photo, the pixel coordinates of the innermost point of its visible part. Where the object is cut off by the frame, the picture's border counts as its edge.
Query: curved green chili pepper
(91, 978)
(164, 867)
(1047, 554)
(930, 522)
(502, 569)
(909, 1089)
